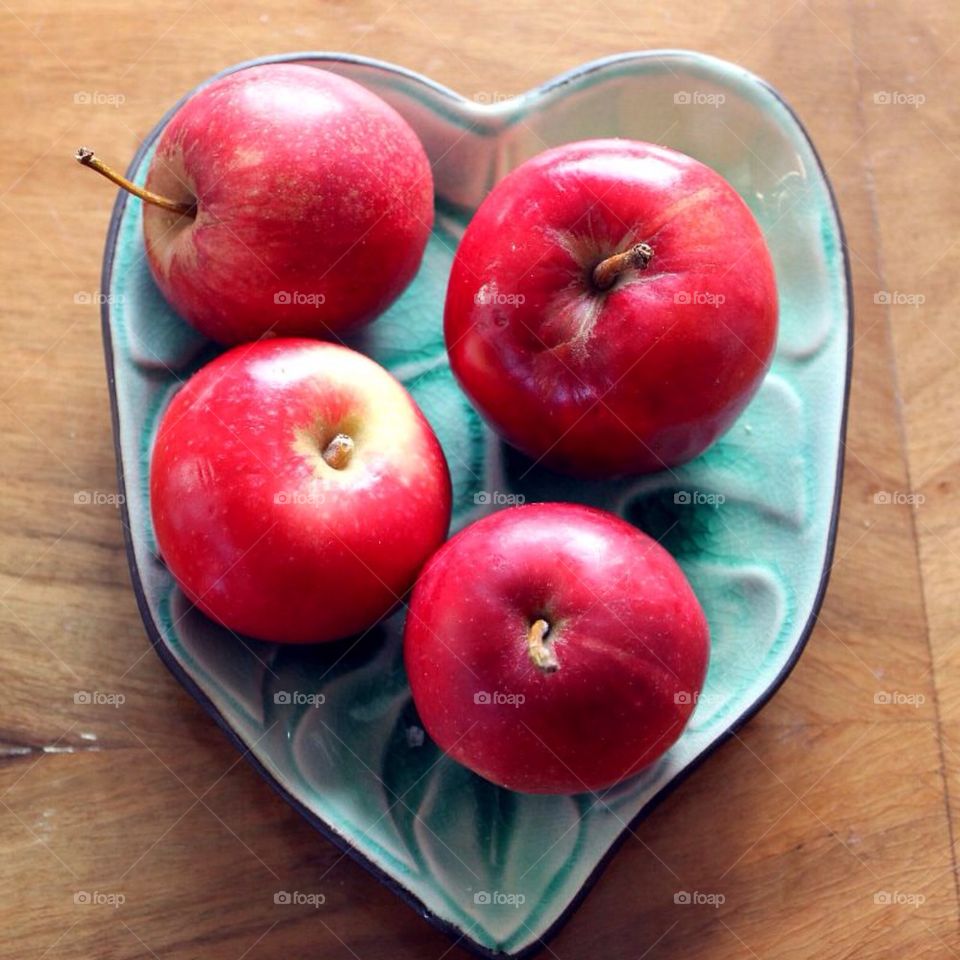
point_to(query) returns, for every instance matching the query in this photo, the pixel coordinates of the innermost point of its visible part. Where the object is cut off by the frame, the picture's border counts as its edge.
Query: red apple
(554, 648)
(612, 307)
(296, 490)
(313, 204)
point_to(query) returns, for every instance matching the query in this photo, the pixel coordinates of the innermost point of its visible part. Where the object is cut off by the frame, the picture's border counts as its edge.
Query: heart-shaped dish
(752, 521)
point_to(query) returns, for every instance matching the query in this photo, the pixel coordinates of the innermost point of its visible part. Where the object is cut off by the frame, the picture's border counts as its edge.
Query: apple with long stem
(296, 490)
(612, 308)
(283, 200)
(554, 648)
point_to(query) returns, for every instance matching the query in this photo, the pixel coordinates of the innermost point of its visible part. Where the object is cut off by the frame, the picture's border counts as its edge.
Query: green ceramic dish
(751, 521)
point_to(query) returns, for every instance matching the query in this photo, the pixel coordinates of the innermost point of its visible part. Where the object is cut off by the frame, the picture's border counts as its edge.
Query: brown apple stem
(540, 652)
(86, 158)
(338, 451)
(606, 272)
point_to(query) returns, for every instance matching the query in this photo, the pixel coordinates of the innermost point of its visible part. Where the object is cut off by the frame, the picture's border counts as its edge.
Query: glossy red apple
(612, 307)
(554, 648)
(296, 490)
(309, 203)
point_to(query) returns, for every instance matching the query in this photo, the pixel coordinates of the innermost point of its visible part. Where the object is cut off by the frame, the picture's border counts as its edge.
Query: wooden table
(824, 801)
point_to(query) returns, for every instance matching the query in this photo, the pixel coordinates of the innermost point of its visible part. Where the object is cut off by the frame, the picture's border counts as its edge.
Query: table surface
(823, 801)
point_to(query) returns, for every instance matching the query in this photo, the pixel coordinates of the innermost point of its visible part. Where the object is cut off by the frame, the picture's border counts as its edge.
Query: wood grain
(824, 801)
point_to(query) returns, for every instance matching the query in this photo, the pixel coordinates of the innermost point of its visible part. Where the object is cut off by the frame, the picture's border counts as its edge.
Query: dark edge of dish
(194, 690)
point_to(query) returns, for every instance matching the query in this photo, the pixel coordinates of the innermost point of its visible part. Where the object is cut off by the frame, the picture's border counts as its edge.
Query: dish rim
(493, 112)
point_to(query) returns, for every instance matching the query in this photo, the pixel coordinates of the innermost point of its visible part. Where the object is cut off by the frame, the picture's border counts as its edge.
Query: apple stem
(338, 451)
(540, 652)
(606, 272)
(86, 158)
